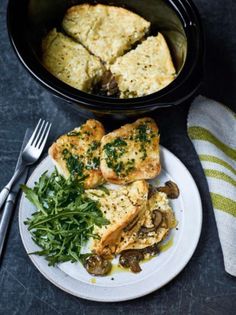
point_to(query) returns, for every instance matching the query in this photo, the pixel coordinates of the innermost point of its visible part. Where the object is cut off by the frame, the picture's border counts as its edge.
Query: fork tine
(38, 134)
(44, 136)
(41, 135)
(34, 133)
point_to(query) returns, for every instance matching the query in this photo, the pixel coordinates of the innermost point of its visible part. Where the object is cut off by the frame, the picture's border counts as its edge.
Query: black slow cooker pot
(178, 20)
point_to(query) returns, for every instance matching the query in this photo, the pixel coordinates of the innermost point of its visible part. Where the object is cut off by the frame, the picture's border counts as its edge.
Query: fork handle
(5, 219)
(5, 192)
(3, 195)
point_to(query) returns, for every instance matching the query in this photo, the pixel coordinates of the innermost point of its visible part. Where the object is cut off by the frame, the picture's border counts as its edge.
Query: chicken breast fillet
(145, 233)
(78, 153)
(120, 207)
(131, 152)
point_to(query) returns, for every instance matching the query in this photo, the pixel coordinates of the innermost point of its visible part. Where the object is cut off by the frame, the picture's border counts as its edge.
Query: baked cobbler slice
(70, 62)
(106, 31)
(144, 70)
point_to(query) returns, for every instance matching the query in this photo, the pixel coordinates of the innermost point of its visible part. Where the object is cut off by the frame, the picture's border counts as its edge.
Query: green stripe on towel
(199, 133)
(214, 159)
(224, 204)
(220, 175)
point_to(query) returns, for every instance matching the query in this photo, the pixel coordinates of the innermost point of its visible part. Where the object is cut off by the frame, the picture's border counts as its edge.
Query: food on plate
(135, 236)
(131, 152)
(106, 31)
(105, 51)
(170, 189)
(65, 217)
(97, 265)
(120, 207)
(81, 217)
(70, 62)
(132, 257)
(144, 70)
(78, 153)
(154, 224)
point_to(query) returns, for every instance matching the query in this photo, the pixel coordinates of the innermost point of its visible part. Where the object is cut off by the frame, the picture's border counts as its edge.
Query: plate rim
(130, 296)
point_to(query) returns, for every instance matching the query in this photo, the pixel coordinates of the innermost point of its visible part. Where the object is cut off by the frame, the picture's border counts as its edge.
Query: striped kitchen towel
(212, 129)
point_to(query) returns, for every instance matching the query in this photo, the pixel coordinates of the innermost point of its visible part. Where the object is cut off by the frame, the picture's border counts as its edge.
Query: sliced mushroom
(97, 265)
(151, 250)
(151, 191)
(170, 189)
(131, 224)
(109, 84)
(130, 259)
(145, 230)
(156, 218)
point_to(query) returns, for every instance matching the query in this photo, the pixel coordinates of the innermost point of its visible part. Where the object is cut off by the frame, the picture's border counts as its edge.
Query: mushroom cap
(97, 265)
(170, 189)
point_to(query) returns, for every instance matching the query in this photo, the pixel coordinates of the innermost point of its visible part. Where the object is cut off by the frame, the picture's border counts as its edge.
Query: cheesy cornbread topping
(97, 53)
(70, 62)
(144, 70)
(106, 31)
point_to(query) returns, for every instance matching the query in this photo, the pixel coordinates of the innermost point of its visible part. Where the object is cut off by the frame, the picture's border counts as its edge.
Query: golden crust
(120, 207)
(157, 201)
(106, 31)
(144, 70)
(131, 152)
(70, 62)
(83, 146)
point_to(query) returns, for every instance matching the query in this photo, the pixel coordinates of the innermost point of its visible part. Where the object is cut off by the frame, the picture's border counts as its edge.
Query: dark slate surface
(202, 287)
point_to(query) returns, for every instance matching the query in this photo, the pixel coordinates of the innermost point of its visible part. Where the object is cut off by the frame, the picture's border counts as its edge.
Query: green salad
(64, 219)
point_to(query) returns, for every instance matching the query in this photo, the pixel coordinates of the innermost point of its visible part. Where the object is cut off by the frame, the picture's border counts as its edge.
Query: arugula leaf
(32, 197)
(65, 217)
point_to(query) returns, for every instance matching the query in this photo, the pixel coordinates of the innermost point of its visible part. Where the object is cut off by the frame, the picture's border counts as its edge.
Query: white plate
(121, 286)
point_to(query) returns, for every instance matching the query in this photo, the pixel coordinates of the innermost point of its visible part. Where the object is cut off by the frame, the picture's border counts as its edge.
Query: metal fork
(30, 155)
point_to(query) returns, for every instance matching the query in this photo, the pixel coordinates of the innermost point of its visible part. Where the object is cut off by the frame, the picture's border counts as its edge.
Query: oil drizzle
(93, 280)
(164, 247)
(116, 268)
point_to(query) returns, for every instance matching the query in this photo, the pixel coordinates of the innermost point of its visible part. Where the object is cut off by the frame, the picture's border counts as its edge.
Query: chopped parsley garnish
(118, 167)
(73, 163)
(64, 219)
(76, 164)
(114, 150)
(74, 133)
(144, 136)
(93, 164)
(94, 145)
(142, 133)
(96, 162)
